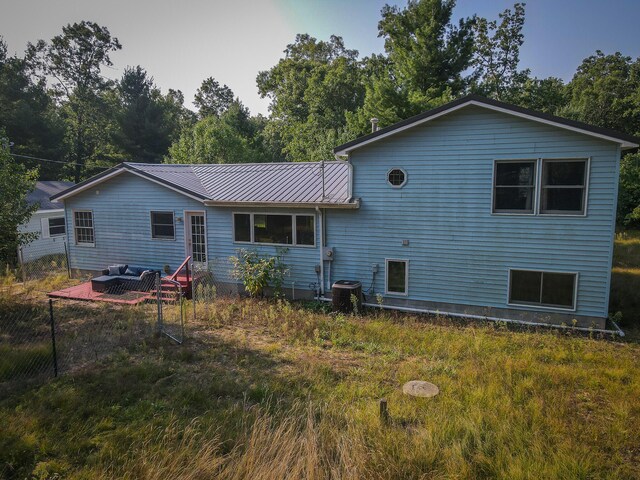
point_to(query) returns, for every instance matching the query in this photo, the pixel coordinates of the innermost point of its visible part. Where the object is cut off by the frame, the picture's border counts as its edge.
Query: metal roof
(626, 141)
(291, 184)
(45, 189)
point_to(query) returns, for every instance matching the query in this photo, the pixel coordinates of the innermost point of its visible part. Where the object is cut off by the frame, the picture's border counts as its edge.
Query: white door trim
(187, 233)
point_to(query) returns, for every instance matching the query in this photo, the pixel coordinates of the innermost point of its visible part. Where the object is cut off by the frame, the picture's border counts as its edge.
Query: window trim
(406, 277)
(405, 177)
(65, 227)
(293, 225)
(534, 186)
(538, 187)
(75, 232)
(585, 196)
(542, 306)
(173, 222)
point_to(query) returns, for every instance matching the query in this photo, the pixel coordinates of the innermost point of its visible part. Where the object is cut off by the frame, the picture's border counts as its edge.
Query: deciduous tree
(74, 61)
(16, 181)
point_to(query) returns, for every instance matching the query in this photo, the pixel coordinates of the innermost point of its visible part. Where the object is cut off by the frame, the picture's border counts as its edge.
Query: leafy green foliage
(146, 120)
(257, 272)
(15, 183)
(233, 137)
(213, 98)
(629, 191)
(28, 114)
(605, 91)
(75, 59)
(428, 53)
(311, 89)
(497, 53)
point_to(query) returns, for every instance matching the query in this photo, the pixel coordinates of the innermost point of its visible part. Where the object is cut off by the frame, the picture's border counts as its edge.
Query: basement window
(544, 289)
(397, 276)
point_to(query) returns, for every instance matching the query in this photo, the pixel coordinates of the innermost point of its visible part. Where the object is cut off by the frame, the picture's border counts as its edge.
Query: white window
(544, 289)
(274, 229)
(564, 185)
(397, 276)
(397, 177)
(514, 186)
(83, 226)
(162, 226)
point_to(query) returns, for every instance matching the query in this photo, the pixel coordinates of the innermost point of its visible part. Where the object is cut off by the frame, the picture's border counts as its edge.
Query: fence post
(66, 256)
(53, 339)
(21, 262)
(194, 289)
(159, 299)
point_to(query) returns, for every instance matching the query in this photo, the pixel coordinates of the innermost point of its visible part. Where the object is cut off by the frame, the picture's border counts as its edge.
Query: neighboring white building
(48, 221)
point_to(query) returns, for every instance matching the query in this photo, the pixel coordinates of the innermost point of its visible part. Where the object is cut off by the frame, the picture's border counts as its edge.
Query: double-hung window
(514, 186)
(564, 185)
(544, 289)
(559, 189)
(83, 227)
(274, 229)
(162, 226)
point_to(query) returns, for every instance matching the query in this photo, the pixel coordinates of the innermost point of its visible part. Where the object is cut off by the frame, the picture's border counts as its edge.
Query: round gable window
(397, 177)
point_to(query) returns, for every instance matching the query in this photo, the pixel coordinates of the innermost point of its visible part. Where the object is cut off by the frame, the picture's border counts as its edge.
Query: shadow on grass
(102, 410)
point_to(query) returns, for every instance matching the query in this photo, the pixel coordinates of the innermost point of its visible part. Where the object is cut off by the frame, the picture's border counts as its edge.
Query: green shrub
(257, 272)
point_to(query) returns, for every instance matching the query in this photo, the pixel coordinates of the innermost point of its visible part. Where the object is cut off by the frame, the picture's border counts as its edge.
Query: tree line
(57, 105)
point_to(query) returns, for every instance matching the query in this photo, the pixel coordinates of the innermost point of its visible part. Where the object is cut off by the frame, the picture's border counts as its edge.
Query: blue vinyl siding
(459, 252)
(121, 215)
(122, 225)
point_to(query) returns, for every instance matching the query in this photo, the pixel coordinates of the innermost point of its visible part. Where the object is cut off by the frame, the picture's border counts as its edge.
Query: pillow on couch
(133, 271)
(114, 270)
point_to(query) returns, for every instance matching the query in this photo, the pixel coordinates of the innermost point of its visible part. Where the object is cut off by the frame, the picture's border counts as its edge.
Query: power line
(51, 161)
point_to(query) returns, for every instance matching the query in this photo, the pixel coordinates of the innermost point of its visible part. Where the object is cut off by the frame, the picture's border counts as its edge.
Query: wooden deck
(84, 292)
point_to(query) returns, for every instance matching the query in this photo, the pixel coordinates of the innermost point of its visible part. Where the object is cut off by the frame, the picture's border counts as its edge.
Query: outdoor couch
(125, 277)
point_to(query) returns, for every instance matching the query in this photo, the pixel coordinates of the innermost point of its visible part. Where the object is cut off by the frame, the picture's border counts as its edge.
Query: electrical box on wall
(327, 254)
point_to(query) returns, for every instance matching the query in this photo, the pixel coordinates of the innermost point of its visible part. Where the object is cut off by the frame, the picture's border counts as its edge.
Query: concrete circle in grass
(419, 388)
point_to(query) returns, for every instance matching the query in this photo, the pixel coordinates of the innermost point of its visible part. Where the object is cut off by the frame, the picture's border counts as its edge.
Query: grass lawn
(625, 281)
(266, 390)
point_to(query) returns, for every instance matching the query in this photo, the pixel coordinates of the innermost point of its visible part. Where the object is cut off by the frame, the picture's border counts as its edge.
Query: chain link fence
(42, 259)
(52, 324)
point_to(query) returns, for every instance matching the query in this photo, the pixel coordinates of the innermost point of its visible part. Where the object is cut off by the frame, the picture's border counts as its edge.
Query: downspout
(321, 252)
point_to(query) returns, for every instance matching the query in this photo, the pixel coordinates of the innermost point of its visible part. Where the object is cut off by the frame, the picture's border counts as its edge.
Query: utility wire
(52, 161)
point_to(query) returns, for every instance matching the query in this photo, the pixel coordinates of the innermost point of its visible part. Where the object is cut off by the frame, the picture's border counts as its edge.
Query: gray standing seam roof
(45, 189)
(291, 183)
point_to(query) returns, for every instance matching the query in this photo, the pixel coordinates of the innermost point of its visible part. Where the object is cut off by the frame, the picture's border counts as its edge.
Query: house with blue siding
(477, 208)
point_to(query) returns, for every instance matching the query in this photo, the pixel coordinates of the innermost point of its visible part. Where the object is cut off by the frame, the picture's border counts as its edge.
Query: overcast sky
(181, 42)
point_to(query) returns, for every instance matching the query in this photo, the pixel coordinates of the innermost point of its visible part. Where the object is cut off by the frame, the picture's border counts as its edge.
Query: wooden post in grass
(384, 412)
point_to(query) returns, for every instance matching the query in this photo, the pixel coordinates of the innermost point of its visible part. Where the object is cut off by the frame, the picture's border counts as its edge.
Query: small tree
(256, 272)
(15, 183)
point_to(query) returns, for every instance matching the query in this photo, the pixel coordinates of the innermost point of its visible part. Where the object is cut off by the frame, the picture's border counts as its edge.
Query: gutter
(351, 205)
(617, 330)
